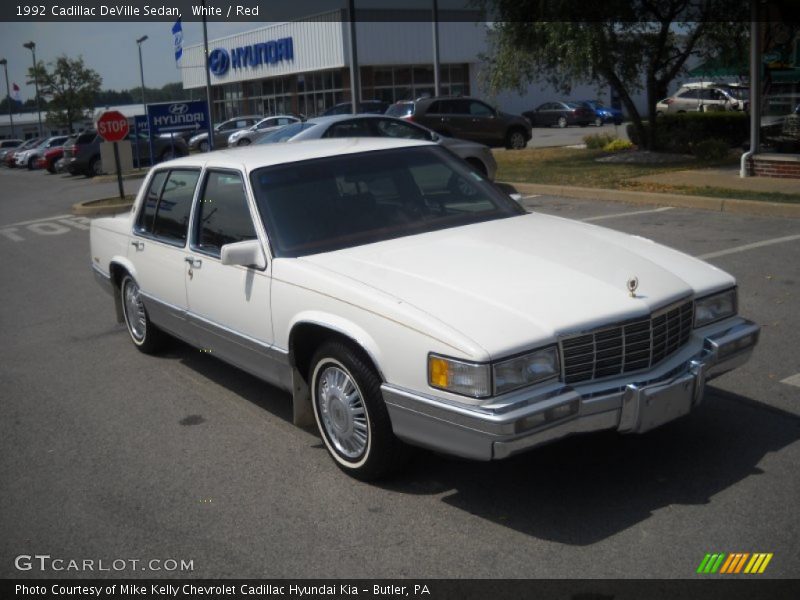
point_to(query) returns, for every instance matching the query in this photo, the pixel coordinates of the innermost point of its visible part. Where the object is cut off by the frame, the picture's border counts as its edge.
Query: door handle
(193, 262)
(138, 245)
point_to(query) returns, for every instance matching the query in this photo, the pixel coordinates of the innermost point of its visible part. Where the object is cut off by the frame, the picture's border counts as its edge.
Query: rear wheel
(351, 415)
(562, 122)
(95, 167)
(145, 336)
(31, 163)
(598, 122)
(203, 146)
(243, 142)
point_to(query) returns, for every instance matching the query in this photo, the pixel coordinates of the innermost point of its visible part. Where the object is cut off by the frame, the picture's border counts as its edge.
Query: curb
(730, 205)
(86, 209)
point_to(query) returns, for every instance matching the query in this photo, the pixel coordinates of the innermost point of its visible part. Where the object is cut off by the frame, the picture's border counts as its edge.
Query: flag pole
(208, 82)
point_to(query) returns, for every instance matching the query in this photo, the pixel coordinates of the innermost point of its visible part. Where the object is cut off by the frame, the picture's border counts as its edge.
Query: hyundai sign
(267, 53)
(177, 117)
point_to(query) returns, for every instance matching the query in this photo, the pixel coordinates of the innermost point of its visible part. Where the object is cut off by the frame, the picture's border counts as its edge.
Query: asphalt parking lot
(106, 453)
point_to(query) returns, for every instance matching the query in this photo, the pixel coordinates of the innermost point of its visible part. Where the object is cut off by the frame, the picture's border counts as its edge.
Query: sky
(108, 48)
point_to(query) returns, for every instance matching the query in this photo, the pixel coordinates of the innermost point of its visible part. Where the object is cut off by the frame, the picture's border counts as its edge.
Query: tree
(70, 87)
(630, 46)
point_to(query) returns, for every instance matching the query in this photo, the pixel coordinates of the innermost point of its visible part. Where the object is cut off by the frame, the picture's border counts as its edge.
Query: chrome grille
(627, 347)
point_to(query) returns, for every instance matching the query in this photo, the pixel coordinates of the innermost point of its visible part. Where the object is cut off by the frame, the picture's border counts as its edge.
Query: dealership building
(303, 66)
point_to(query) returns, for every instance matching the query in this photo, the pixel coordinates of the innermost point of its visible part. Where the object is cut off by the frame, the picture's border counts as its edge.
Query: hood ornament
(633, 285)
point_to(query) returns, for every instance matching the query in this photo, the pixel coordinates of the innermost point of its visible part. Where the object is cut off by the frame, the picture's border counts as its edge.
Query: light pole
(4, 62)
(144, 108)
(32, 47)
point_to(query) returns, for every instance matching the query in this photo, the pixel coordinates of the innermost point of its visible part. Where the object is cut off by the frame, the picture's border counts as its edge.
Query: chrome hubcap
(342, 412)
(134, 311)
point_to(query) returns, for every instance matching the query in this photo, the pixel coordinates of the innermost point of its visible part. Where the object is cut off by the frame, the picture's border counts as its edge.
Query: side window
(399, 129)
(222, 213)
(479, 109)
(355, 128)
(174, 206)
(689, 95)
(148, 212)
(435, 108)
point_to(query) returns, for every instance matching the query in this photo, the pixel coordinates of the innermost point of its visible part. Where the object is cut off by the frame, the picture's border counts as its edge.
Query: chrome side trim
(258, 358)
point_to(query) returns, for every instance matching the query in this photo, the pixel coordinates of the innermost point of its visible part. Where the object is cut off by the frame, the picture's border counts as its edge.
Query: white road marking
(793, 380)
(753, 246)
(57, 225)
(629, 214)
(21, 223)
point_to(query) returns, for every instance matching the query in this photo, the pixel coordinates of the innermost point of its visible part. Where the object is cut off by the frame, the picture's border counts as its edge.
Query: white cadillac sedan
(401, 298)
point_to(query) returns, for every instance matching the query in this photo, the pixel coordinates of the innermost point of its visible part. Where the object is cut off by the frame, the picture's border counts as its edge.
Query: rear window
(401, 109)
(167, 205)
(87, 137)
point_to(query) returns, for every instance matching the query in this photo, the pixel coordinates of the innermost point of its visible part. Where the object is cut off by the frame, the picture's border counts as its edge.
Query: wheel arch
(117, 269)
(306, 334)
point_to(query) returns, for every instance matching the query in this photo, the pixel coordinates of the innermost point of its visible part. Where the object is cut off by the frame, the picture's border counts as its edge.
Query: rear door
(158, 246)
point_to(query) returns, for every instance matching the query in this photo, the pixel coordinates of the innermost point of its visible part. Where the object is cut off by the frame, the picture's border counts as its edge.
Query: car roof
(265, 155)
(334, 118)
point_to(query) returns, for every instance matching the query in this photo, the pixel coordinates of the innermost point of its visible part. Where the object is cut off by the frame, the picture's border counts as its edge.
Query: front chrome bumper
(632, 403)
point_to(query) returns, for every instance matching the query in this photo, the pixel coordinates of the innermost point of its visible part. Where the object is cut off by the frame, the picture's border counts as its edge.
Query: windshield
(338, 202)
(285, 133)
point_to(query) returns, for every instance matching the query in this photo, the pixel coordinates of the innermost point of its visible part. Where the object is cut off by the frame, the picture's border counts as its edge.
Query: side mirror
(246, 254)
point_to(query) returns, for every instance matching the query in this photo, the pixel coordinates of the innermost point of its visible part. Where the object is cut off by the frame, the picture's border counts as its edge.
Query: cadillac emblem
(633, 285)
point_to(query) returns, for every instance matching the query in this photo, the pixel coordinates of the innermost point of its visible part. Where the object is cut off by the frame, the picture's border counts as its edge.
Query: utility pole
(208, 82)
(32, 47)
(436, 81)
(355, 79)
(4, 62)
(144, 108)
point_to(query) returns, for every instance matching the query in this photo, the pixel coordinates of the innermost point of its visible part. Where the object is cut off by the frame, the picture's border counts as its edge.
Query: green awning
(716, 68)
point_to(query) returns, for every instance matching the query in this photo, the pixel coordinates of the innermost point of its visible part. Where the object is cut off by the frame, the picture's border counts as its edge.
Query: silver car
(703, 97)
(480, 157)
(260, 129)
(222, 132)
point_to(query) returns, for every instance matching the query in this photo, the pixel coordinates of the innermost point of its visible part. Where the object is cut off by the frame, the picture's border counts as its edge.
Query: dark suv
(465, 118)
(83, 156)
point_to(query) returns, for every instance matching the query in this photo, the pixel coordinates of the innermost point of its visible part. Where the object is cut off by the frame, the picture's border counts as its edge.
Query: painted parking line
(628, 214)
(58, 225)
(793, 380)
(753, 246)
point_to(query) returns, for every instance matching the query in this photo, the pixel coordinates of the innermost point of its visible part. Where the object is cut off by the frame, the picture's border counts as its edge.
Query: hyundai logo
(218, 61)
(178, 109)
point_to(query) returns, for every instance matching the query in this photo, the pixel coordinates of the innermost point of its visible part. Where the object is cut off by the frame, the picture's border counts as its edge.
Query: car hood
(515, 283)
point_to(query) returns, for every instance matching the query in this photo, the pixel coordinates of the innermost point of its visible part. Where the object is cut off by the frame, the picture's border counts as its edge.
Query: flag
(177, 36)
(15, 93)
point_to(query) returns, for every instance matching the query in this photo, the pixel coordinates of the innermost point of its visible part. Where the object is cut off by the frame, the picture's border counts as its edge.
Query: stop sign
(112, 126)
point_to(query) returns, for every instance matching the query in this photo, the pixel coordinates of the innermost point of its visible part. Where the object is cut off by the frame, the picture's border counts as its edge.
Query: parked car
(247, 136)
(83, 156)
(222, 132)
(371, 107)
(30, 157)
(48, 160)
(562, 114)
(54, 158)
(400, 299)
(465, 118)
(7, 146)
(604, 114)
(338, 126)
(10, 159)
(702, 97)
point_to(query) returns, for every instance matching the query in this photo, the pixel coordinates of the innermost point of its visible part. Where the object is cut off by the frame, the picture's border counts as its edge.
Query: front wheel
(562, 122)
(203, 146)
(515, 140)
(243, 142)
(351, 415)
(145, 336)
(598, 122)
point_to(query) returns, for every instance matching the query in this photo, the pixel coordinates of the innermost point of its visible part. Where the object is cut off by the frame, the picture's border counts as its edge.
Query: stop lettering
(112, 126)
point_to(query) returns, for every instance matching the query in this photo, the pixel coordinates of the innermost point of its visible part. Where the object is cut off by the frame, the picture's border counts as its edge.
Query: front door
(229, 306)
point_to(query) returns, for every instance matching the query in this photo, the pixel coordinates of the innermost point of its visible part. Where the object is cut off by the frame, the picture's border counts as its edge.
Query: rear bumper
(630, 404)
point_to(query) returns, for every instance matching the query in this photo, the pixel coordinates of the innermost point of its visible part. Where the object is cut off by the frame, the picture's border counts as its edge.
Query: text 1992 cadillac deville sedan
(403, 299)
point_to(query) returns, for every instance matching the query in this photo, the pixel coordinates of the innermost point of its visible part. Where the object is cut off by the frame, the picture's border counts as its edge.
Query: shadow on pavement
(586, 488)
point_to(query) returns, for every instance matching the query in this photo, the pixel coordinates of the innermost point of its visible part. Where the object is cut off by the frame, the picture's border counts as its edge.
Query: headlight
(459, 377)
(714, 308)
(525, 370)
